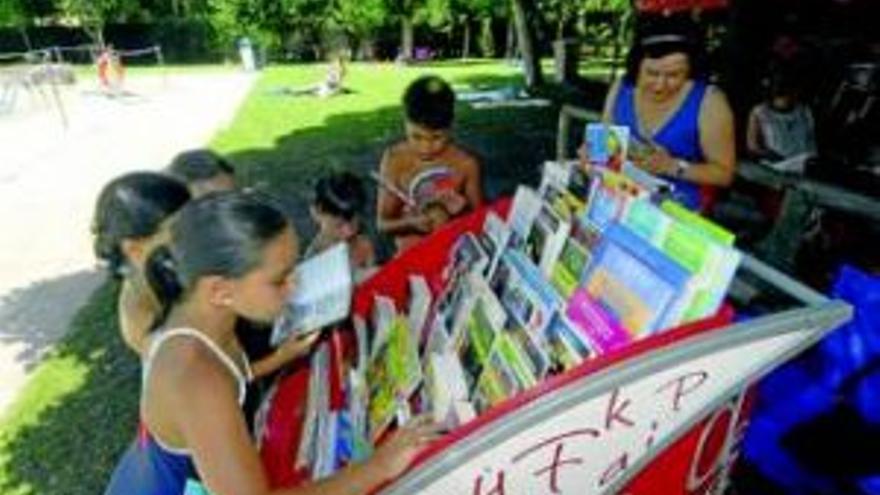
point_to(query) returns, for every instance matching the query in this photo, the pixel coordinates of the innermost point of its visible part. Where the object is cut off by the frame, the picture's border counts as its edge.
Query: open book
(322, 294)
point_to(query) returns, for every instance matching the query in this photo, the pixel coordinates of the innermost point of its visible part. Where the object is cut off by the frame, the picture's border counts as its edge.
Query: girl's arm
(209, 419)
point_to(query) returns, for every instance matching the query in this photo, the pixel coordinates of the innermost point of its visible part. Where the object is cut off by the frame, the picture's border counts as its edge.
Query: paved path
(50, 177)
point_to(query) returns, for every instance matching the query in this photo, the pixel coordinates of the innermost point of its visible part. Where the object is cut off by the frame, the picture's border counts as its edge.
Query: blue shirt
(680, 135)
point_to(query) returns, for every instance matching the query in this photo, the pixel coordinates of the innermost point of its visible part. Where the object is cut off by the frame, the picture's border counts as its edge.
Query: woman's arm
(717, 140)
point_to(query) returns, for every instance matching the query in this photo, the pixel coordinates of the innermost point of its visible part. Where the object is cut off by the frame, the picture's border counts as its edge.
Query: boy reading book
(427, 179)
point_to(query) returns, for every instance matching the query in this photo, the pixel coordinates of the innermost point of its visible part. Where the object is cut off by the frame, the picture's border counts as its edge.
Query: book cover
(547, 239)
(467, 256)
(393, 376)
(496, 383)
(494, 238)
(566, 346)
(633, 281)
(384, 313)
(525, 208)
(698, 222)
(528, 298)
(713, 266)
(420, 301)
(590, 318)
(610, 196)
(606, 144)
(322, 296)
(486, 320)
(532, 348)
(555, 174)
(515, 358)
(446, 385)
(648, 221)
(569, 269)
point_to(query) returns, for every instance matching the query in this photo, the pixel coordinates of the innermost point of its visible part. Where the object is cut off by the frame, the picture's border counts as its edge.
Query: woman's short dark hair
(132, 207)
(197, 165)
(657, 37)
(430, 102)
(222, 233)
(341, 195)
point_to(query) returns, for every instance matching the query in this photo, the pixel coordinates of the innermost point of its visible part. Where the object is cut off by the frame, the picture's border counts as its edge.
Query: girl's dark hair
(196, 165)
(340, 195)
(222, 234)
(130, 207)
(657, 37)
(430, 102)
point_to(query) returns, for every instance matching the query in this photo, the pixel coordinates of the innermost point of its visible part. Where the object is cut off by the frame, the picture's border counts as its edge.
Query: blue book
(636, 283)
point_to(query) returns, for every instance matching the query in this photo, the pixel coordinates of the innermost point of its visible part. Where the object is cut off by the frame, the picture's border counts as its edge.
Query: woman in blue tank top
(683, 127)
(230, 256)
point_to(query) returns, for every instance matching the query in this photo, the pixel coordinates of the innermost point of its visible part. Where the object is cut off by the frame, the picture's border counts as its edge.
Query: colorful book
(486, 320)
(606, 144)
(590, 318)
(648, 221)
(698, 222)
(610, 196)
(636, 283)
(569, 269)
(567, 347)
(547, 239)
(712, 264)
(393, 376)
(524, 292)
(517, 360)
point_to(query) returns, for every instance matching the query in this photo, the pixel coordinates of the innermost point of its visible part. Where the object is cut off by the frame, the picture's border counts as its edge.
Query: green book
(698, 222)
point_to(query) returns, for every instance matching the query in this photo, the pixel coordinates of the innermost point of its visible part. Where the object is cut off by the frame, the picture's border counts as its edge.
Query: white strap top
(241, 376)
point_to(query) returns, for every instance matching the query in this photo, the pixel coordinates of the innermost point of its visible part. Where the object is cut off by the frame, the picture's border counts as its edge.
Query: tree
(20, 14)
(405, 12)
(93, 15)
(361, 20)
(524, 17)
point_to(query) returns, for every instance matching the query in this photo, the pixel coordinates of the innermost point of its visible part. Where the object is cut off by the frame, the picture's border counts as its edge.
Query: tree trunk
(522, 13)
(510, 48)
(407, 35)
(466, 43)
(25, 38)
(487, 38)
(175, 8)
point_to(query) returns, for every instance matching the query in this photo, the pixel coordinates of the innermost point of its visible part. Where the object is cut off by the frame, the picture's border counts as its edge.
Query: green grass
(78, 412)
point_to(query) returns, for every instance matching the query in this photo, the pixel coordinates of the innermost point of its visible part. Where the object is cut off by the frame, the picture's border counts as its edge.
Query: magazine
(322, 296)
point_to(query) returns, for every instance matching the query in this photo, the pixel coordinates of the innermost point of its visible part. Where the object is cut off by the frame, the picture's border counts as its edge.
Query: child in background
(128, 226)
(203, 171)
(781, 127)
(337, 207)
(427, 179)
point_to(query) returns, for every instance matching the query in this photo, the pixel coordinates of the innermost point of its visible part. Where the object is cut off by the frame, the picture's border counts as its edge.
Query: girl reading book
(231, 256)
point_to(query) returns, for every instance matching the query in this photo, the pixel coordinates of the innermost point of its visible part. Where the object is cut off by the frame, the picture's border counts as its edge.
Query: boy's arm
(390, 216)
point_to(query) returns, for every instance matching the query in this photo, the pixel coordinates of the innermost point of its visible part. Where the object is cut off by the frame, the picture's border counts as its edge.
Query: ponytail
(164, 280)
